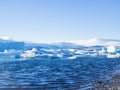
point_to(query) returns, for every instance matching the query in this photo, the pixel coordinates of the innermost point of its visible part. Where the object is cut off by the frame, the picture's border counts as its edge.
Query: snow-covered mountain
(96, 42)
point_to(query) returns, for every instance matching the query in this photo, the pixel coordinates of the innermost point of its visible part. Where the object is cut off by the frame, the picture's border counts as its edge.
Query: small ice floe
(94, 54)
(6, 51)
(55, 56)
(71, 50)
(113, 55)
(34, 50)
(60, 55)
(79, 52)
(72, 57)
(102, 52)
(48, 50)
(44, 55)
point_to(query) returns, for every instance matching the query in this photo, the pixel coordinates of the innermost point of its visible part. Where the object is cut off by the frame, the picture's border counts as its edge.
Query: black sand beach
(112, 84)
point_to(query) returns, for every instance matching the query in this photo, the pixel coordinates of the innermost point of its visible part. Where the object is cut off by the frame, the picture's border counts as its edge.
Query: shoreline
(112, 84)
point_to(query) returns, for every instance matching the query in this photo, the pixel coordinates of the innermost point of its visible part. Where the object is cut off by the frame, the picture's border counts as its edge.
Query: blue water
(56, 74)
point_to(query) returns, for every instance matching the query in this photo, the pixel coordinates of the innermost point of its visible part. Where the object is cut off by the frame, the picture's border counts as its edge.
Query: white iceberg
(113, 55)
(111, 49)
(29, 53)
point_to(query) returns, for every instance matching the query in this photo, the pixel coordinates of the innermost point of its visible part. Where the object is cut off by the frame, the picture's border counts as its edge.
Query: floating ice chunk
(71, 50)
(5, 51)
(60, 55)
(103, 50)
(94, 54)
(113, 55)
(95, 50)
(72, 57)
(29, 53)
(79, 52)
(34, 50)
(48, 50)
(111, 49)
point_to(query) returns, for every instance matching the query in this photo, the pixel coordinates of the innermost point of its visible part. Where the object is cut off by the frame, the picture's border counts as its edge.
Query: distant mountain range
(96, 42)
(89, 42)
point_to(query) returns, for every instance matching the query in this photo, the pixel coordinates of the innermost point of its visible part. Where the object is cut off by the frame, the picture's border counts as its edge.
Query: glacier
(6, 44)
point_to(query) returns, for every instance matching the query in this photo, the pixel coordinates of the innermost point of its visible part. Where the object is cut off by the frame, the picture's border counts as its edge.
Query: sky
(59, 20)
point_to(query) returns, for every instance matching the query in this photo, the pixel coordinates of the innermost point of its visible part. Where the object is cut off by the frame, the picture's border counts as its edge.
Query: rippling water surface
(56, 74)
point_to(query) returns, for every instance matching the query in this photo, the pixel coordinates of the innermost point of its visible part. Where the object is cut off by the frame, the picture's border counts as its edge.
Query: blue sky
(59, 20)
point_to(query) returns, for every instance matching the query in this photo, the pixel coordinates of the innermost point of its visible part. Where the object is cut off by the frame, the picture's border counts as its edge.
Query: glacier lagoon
(52, 73)
(58, 66)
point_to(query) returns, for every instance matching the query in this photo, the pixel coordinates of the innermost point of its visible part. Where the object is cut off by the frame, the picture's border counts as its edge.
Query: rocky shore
(112, 84)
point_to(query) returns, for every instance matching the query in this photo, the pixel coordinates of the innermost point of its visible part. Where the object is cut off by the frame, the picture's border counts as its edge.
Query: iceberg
(113, 55)
(111, 49)
(29, 53)
(10, 44)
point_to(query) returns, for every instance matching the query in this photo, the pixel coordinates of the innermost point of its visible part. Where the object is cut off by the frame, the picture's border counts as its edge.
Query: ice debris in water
(113, 55)
(65, 52)
(68, 50)
(109, 52)
(29, 53)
